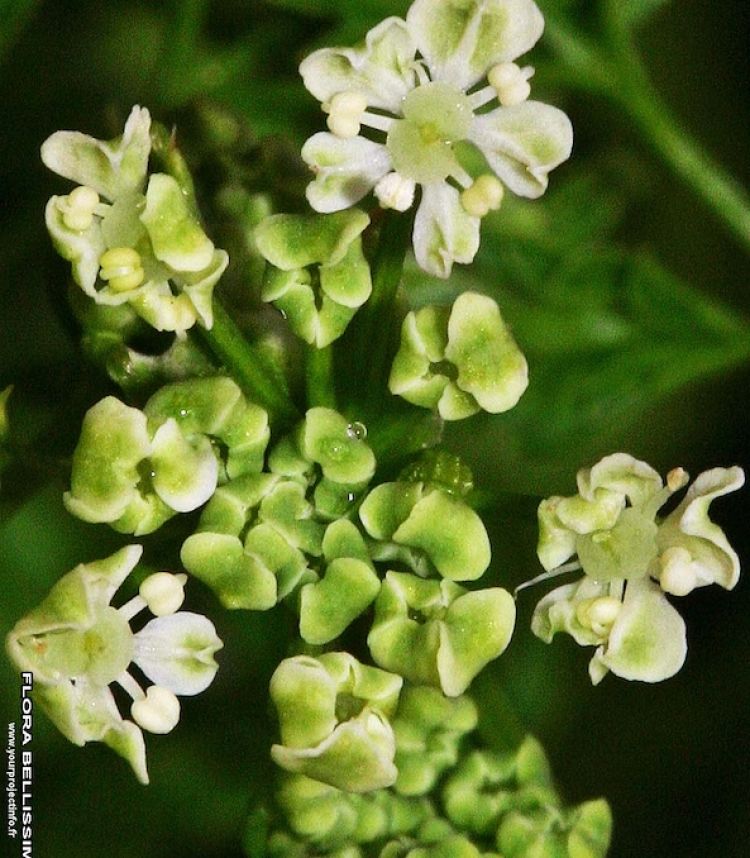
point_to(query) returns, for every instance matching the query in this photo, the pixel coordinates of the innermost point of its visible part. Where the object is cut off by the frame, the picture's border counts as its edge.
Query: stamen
(130, 686)
(482, 96)
(158, 712)
(376, 121)
(163, 592)
(345, 113)
(573, 566)
(482, 196)
(461, 176)
(78, 208)
(677, 571)
(132, 607)
(121, 266)
(511, 83)
(422, 75)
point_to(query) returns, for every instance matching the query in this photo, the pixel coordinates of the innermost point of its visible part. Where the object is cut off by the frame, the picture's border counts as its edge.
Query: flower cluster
(631, 558)
(448, 799)
(423, 88)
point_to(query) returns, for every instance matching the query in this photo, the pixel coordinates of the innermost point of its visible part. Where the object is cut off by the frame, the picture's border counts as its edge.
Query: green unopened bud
(437, 633)
(333, 714)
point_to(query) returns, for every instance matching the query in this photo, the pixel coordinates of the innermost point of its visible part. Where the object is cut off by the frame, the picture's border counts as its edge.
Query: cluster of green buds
(631, 558)
(136, 469)
(77, 645)
(449, 799)
(131, 238)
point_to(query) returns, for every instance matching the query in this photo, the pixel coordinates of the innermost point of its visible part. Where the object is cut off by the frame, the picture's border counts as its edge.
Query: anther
(483, 196)
(345, 111)
(158, 711)
(121, 267)
(394, 191)
(511, 83)
(78, 208)
(163, 593)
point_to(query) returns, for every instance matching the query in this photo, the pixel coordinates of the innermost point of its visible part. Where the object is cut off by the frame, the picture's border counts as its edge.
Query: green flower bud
(318, 276)
(538, 834)
(347, 587)
(437, 633)
(333, 716)
(433, 524)
(590, 830)
(429, 728)
(459, 362)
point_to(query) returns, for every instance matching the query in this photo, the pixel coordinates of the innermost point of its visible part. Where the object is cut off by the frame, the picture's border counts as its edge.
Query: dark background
(672, 758)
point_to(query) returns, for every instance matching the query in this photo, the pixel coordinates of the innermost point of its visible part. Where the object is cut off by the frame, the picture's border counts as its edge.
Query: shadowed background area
(628, 294)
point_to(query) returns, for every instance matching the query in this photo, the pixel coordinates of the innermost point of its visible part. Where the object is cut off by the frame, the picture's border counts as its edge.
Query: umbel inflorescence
(292, 504)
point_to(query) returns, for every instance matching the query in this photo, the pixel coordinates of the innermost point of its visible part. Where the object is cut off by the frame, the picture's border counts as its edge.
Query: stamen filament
(376, 121)
(573, 566)
(482, 96)
(133, 607)
(130, 686)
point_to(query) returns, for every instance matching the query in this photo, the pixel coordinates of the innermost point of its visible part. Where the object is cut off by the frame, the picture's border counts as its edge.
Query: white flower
(78, 645)
(417, 86)
(131, 238)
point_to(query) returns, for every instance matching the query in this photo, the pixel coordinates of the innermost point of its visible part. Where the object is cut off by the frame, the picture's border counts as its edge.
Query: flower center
(435, 116)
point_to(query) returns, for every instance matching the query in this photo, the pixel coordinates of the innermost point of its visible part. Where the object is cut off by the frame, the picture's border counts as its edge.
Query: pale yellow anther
(602, 613)
(163, 593)
(678, 575)
(345, 111)
(511, 83)
(598, 614)
(121, 267)
(158, 711)
(483, 196)
(394, 191)
(78, 208)
(677, 478)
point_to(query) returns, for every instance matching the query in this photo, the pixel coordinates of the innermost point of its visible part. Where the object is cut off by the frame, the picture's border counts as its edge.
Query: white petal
(648, 640)
(177, 652)
(345, 170)
(462, 39)
(443, 231)
(110, 167)
(381, 71)
(523, 143)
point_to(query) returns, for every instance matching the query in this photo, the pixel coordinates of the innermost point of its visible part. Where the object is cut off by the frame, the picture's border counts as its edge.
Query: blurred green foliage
(625, 288)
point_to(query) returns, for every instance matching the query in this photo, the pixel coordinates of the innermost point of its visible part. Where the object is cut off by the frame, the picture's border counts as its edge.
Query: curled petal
(556, 612)
(462, 39)
(185, 474)
(712, 557)
(382, 70)
(346, 170)
(443, 231)
(111, 168)
(177, 652)
(523, 143)
(622, 473)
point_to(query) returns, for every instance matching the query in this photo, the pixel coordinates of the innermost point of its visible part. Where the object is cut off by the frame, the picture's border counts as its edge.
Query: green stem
(378, 321)
(180, 41)
(260, 380)
(635, 92)
(618, 73)
(319, 377)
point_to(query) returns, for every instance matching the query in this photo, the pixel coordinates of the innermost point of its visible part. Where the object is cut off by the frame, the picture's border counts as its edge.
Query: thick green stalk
(635, 92)
(250, 368)
(378, 321)
(319, 378)
(616, 71)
